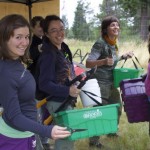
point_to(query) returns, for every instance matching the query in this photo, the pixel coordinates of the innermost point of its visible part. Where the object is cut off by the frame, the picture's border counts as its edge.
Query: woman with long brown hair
(18, 122)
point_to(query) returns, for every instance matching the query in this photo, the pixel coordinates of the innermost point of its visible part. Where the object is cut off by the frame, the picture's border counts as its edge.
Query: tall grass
(133, 136)
(138, 47)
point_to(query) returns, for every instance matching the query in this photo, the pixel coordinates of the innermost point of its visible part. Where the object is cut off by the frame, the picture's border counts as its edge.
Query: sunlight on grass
(139, 49)
(133, 136)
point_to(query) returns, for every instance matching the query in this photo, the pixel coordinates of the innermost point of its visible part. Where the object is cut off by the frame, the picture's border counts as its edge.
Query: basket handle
(90, 93)
(124, 63)
(87, 93)
(135, 65)
(138, 61)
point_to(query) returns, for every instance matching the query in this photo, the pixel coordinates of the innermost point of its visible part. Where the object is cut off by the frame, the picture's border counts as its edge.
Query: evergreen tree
(133, 15)
(64, 19)
(80, 26)
(139, 10)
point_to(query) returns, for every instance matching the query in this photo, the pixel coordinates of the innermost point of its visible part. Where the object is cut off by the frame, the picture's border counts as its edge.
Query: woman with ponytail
(104, 54)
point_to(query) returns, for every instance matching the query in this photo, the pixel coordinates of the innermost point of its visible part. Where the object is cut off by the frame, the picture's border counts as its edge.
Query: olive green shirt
(101, 50)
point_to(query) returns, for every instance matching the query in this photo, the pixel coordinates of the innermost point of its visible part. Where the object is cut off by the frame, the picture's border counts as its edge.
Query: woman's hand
(109, 61)
(59, 132)
(74, 91)
(127, 55)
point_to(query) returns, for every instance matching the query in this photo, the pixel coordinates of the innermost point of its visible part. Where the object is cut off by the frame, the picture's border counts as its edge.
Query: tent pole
(30, 15)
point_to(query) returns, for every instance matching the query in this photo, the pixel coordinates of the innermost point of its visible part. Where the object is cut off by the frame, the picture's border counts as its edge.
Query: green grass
(133, 136)
(140, 50)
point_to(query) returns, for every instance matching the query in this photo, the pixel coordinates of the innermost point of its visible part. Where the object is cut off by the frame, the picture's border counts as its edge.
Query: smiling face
(18, 42)
(56, 33)
(113, 30)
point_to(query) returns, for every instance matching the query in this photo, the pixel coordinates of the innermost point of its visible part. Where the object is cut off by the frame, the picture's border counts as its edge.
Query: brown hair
(35, 20)
(7, 26)
(48, 19)
(106, 22)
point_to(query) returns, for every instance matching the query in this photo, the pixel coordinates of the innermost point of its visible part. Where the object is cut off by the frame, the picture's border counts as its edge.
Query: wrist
(104, 62)
(101, 62)
(122, 57)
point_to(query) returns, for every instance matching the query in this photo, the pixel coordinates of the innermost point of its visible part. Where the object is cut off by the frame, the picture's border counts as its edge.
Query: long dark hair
(7, 26)
(48, 19)
(46, 22)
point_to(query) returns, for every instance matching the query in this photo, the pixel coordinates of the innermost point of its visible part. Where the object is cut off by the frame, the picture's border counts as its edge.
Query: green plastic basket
(98, 120)
(125, 73)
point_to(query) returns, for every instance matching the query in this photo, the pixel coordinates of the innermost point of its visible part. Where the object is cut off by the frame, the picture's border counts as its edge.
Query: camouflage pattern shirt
(101, 50)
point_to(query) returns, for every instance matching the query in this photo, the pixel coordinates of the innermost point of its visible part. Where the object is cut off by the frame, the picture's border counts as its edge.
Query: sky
(68, 7)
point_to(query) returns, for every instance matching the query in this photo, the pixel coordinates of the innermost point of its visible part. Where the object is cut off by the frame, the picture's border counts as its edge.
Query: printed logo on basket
(92, 114)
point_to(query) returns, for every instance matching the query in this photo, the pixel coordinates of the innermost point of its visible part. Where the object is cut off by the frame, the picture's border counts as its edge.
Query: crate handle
(138, 61)
(90, 93)
(133, 62)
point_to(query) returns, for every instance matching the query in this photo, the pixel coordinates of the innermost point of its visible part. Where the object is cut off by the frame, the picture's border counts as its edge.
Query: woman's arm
(107, 61)
(93, 63)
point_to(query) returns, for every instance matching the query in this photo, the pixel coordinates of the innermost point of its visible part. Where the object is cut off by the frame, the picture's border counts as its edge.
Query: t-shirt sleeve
(95, 51)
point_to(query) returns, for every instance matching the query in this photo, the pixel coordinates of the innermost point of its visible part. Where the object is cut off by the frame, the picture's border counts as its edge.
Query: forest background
(134, 16)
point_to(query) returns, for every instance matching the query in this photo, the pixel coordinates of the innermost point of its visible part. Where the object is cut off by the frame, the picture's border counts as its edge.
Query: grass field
(139, 49)
(133, 136)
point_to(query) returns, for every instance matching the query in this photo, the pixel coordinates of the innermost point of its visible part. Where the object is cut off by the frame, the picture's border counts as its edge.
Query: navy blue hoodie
(17, 97)
(55, 67)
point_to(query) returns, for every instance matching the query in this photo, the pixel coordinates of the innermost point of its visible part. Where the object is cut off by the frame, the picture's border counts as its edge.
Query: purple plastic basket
(136, 104)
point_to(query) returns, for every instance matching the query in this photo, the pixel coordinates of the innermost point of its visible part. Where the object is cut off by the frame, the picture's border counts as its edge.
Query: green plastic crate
(98, 120)
(125, 73)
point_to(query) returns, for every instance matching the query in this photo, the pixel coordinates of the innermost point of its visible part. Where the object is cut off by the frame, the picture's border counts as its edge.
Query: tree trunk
(108, 8)
(144, 20)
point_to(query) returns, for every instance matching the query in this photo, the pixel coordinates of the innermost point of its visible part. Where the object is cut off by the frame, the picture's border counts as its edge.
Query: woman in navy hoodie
(56, 70)
(18, 121)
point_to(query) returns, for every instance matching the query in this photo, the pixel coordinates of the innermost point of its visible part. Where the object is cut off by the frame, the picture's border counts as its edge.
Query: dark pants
(60, 144)
(40, 117)
(112, 96)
